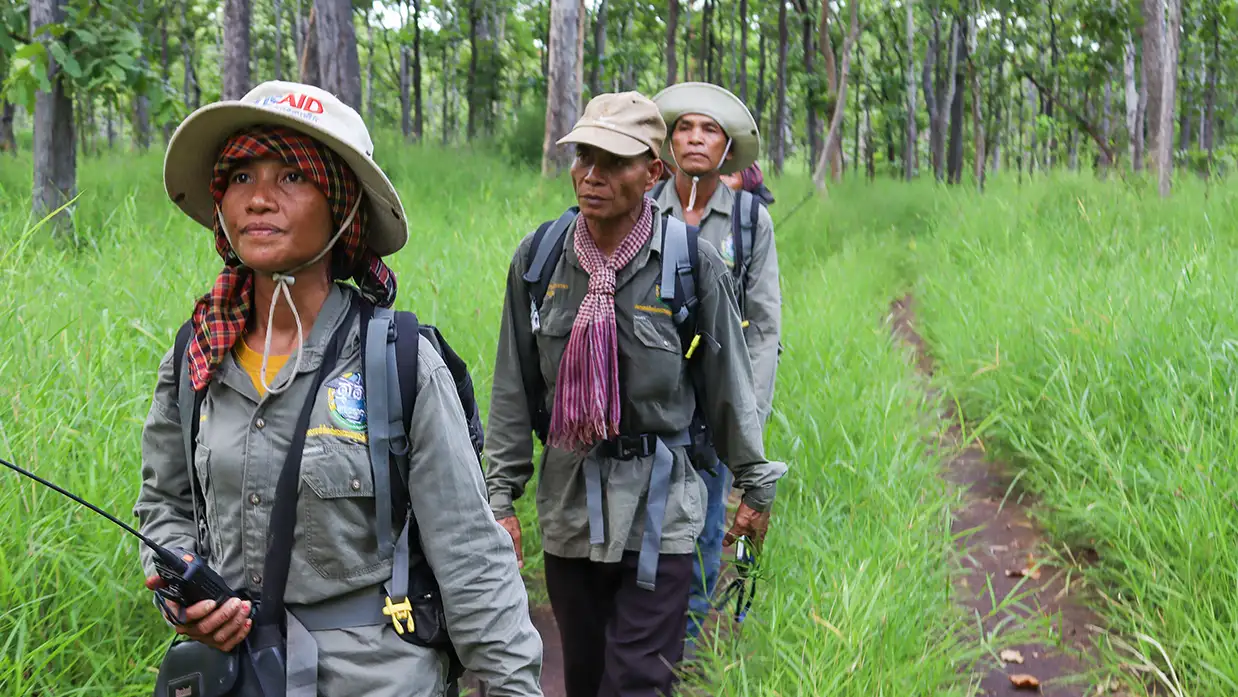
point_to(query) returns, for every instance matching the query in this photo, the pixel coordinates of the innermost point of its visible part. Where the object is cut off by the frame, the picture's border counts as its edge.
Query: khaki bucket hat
(625, 124)
(195, 146)
(722, 106)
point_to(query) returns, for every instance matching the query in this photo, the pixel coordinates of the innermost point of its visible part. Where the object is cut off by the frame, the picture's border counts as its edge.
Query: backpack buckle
(399, 612)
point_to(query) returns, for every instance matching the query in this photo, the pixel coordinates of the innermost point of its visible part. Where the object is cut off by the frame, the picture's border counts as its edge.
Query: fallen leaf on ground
(1012, 656)
(997, 549)
(1033, 574)
(1023, 681)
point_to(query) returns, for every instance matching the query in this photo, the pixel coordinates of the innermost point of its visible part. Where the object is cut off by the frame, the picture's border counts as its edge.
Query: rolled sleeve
(509, 437)
(164, 506)
(484, 598)
(763, 310)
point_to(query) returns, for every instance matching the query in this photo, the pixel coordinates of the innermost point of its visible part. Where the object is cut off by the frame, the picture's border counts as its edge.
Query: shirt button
(356, 485)
(261, 422)
(256, 578)
(255, 499)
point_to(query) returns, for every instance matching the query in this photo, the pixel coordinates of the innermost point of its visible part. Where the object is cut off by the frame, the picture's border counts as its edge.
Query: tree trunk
(743, 51)
(564, 89)
(946, 86)
(277, 7)
(672, 27)
(1106, 121)
(1210, 93)
(977, 128)
(780, 103)
(1169, 86)
(1154, 75)
(310, 70)
(446, 73)
(406, 84)
(1134, 132)
(762, 92)
(812, 119)
(55, 146)
(236, 48)
(909, 153)
(339, 68)
(418, 111)
(955, 160)
(826, 47)
(369, 68)
(110, 123)
(597, 73)
(297, 33)
(8, 139)
(833, 139)
(1185, 76)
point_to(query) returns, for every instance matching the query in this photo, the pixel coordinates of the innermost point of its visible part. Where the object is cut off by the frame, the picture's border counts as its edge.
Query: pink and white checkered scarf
(586, 406)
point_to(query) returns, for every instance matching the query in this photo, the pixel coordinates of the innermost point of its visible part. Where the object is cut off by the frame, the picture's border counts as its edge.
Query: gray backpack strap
(547, 248)
(677, 269)
(384, 418)
(743, 229)
(656, 191)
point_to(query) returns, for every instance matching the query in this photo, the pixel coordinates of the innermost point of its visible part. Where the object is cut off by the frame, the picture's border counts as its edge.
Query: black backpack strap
(744, 219)
(656, 191)
(544, 254)
(189, 408)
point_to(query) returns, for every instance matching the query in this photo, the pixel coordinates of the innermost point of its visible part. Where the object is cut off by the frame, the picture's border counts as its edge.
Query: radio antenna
(149, 543)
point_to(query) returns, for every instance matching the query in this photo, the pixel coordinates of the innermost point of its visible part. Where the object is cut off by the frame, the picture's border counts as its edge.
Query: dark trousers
(618, 639)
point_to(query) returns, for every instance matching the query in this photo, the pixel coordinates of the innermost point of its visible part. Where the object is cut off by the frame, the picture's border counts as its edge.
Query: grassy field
(1095, 324)
(854, 595)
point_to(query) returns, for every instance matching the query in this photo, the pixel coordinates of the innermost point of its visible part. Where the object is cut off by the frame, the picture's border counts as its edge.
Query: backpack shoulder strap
(189, 408)
(680, 257)
(545, 252)
(743, 228)
(385, 434)
(656, 191)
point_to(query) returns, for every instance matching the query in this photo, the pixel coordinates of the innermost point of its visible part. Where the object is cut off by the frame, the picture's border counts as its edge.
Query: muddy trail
(1005, 556)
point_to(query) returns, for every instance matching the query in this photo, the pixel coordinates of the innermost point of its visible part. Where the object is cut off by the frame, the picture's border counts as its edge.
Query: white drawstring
(282, 281)
(696, 179)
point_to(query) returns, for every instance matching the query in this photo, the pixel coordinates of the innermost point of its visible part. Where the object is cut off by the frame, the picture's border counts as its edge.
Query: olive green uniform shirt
(242, 442)
(762, 304)
(656, 397)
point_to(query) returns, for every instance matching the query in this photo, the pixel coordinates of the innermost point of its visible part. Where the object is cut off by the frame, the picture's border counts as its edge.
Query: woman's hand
(512, 525)
(220, 628)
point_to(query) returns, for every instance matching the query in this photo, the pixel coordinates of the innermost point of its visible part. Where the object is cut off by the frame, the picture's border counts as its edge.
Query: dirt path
(1001, 543)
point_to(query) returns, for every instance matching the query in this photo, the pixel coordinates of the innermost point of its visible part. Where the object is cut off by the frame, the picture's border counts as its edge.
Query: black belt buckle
(630, 447)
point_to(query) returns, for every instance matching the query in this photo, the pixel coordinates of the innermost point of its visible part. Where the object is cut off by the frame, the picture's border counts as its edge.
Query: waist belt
(628, 448)
(363, 608)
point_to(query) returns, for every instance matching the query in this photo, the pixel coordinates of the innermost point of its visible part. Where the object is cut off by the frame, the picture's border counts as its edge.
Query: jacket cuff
(761, 499)
(501, 505)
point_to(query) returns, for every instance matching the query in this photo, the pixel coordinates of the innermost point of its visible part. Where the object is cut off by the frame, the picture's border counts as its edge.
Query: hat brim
(720, 105)
(194, 149)
(611, 141)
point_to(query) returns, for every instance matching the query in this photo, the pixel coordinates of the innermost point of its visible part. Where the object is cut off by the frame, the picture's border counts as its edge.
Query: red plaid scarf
(219, 317)
(586, 406)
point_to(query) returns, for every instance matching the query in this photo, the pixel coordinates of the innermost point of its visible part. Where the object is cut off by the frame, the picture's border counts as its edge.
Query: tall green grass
(1096, 324)
(855, 595)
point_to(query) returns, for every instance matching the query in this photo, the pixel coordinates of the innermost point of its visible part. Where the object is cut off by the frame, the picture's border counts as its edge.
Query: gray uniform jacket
(762, 307)
(241, 447)
(656, 397)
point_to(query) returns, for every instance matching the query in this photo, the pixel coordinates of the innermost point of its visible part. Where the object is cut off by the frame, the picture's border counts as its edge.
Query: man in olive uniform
(712, 134)
(599, 366)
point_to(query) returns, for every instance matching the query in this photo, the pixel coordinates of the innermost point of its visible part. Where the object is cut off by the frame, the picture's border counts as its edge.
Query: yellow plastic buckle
(400, 612)
(744, 324)
(696, 341)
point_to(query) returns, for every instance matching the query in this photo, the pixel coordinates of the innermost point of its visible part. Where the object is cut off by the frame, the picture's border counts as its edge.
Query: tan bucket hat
(722, 106)
(195, 145)
(626, 124)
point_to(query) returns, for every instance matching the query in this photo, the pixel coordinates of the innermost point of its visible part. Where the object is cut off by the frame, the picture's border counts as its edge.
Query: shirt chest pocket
(336, 511)
(552, 337)
(655, 367)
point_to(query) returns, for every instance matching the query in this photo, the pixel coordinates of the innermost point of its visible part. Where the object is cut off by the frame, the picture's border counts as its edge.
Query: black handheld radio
(188, 579)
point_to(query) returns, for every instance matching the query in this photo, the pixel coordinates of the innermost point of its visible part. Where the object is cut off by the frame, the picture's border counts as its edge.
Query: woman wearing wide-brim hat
(286, 181)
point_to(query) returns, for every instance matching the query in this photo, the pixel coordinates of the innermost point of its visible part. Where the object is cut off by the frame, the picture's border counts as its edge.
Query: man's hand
(220, 628)
(512, 525)
(748, 523)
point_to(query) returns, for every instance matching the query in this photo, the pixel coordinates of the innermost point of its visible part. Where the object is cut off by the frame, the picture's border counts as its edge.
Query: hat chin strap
(283, 279)
(696, 179)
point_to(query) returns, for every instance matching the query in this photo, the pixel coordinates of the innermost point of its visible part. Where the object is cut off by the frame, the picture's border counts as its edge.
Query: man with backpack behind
(620, 332)
(713, 136)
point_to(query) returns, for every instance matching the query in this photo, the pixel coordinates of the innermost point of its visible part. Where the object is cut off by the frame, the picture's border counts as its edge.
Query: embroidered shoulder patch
(346, 401)
(727, 249)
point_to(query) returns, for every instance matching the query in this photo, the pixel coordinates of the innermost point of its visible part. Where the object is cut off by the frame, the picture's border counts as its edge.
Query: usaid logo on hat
(301, 105)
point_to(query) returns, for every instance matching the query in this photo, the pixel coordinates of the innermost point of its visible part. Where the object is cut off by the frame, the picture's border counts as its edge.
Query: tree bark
(339, 68)
(295, 30)
(406, 84)
(859, 90)
(780, 103)
(1169, 87)
(236, 48)
(1185, 77)
(826, 47)
(909, 152)
(277, 7)
(369, 67)
(977, 128)
(833, 139)
(596, 74)
(942, 100)
(1133, 130)
(672, 28)
(564, 89)
(310, 70)
(1154, 75)
(55, 145)
(812, 119)
(743, 51)
(418, 107)
(1074, 114)
(762, 91)
(955, 159)
(1210, 93)
(8, 139)
(1106, 121)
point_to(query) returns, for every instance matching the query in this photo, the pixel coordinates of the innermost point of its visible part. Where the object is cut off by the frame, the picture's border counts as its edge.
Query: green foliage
(523, 142)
